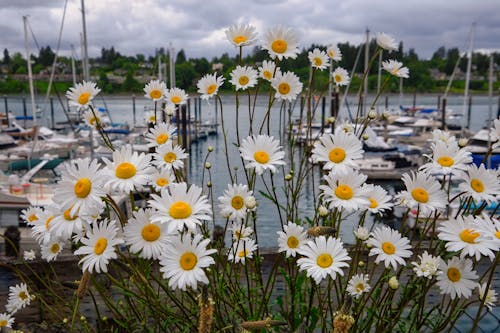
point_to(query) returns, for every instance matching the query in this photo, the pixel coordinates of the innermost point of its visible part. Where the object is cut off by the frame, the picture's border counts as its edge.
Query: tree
(201, 66)
(184, 75)
(131, 84)
(45, 56)
(181, 57)
(6, 57)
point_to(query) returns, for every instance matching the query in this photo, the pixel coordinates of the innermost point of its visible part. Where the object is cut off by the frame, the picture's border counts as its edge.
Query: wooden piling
(323, 110)
(414, 100)
(443, 114)
(133, 110)
(387, 102)
(184, 127)
(469, 111)
(6, 110)
(25, 111)
(52, 123)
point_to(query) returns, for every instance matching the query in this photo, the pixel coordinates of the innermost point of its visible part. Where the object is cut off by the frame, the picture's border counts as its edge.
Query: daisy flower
(447, 158)
(147, 238)
(208, 85)
(30, 215)
(183, 261)
(41, 230)
(362, 233)
(323, 257)
(281, 42)
(81, 186)
(51, 250)
(82, 94)
(358, 285)
(232, 203)
(443, 136)
(19, 297)
(287, 86)
(396, 68)
(291, 239)
(161, 178)
(262, 152)
(489, 228)
(155, 90)
(334, 52)
(92, 119)
(340, 76)
(389, 246)
(240, 232)
(244, 77)
(338, 151)
(489, 298)
(378, 197)
(169, 156)
(480, 183)
(241, 34)
(462, 235)
(99, 247)
(65, 224)
(6, 320)
(176, 96)
(386, 42)
(160, 134)
(29, 255)
(318, 59)
(345, 191)
(422, 191)
(150, 117)
(128, 171)
(456, 278)
(428, 266)
(242, 250)
(180, 207)
(266, 71)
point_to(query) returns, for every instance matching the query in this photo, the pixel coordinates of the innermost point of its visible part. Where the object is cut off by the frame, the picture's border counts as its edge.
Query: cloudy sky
(197, 26)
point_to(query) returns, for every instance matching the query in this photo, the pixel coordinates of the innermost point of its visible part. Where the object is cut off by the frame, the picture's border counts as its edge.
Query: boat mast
(30, 73)
(73, 69)
(490, 106)
(367, 55)
(467, 75)
(85, 48)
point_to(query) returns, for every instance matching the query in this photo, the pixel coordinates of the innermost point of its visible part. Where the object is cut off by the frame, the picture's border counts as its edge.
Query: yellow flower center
(279, 46)
(83, 187)
(162, 182)
(32, 218)
(67, 215)
(477, 185)
(55, 248)
(497, 234)
(176, 99)
(388, 248)
(420, 195)
(23, 295)
(336, 155)
(261, 157)
(469, 236)
(317, 62)
(180, 210)
(162, 138)
(237, 202)
(94, 120)
(373, 203)
(125, 170)
(267, 74)
(243, 80)
(331, 54)
(239, 39)
(48, 222)
(338, 78)
(292, 242)
(395, 71)
(3, 323)
(453, 274)
(100, 245)
(155, 94)
(324, 260)
(152, 119)
(243, 253)
(284, 88)
(188, 261)
(238, 234)
(360, 287)
(445, 161)
(151, 232)
(84, 98)
(344, 192)
(211, 89)
(170, 157)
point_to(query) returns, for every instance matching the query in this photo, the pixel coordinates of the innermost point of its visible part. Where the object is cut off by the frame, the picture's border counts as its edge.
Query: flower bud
(365, 137)
(170, 110)
(322, 211)
(393, 283)
(385, 115)
(330, 120)
(208, 165)
(372, 114)
(210, 149)
(250, 202)
(462, 142)
(288, 177)
(361, 263)
(209, 184)
(83, 318)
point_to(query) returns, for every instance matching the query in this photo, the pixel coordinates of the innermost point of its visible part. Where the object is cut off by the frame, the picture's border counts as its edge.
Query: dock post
(323, 109)
(6, 109)
(469, 110)
(133, 109)
(216, 118)
(189, 120)
(386, 102)
(443, 114)
(25, 111)
(184, 127)
(439, 102)
(414, 100)
(52, 124)
(196, 125)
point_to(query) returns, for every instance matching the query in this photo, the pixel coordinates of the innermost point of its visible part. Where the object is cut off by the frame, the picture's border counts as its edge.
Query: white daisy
(93, 119)
(180, 207)
(287, 85)
(422, 191)
(160, 134)
(29, 255)
(345, 191)
(338, 151)
(443, 136)
(379, 199)
(334, 52)
(242, 250)
(291, 239)
(241, 34)
(428, 266)
(462, 235)
(19, 297)
(389, 246)
(150, 117)
(51, 250)
(41, 231)
(266, 71)
(358, 285)
(362, 233)
(387, 42)
(262, 152)
(176, 96)
(183, 262)
(6, 320)
(318, 59)
(161, 178)
(147, 238)
(396, 68)
(244, 77)
(340, 76)
(489, 298)
(281, 42)
(99, 247)
(480, 183)
(447, 158)
(128, 171)
(170, 109)
(489, 228)
(82, 94)
(170, 156)
(456, 278)
(155, 90)
(209, 84)
(232, 203)
(81, 186)
(323, 257)
(30, 215)
(240, 232)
